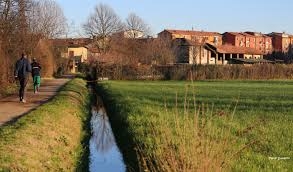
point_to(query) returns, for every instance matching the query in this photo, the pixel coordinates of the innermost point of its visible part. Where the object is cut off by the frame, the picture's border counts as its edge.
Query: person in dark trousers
(22, 69)
(36, 68)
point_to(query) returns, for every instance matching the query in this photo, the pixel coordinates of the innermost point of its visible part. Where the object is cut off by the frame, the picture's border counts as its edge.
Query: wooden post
(217, 56)
(223, 59)
(208, 56)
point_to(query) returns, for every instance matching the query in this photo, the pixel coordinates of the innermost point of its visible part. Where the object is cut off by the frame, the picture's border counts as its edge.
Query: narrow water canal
(104, 153)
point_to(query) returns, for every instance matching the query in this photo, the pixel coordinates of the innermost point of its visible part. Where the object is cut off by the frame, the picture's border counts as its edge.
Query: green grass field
(234, 125)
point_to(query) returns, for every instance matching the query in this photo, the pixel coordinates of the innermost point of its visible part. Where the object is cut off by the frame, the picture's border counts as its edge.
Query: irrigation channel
(104, 153)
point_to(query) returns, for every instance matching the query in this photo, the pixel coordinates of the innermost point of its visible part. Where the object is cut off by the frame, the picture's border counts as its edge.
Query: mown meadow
(202, 125)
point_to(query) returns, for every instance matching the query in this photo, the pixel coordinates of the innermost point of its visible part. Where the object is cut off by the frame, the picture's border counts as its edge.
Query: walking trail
(11, 108)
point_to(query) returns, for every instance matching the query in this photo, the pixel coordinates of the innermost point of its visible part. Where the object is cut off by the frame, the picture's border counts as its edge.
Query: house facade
(282, 42)
(195, 36)
(257, 41)
(134, 34)
(228, 54)
(190, 52)
(187, 51)
(76, 55)
(263, 42)
(74, 50)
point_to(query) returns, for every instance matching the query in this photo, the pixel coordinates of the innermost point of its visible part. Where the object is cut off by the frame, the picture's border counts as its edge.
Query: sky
(208, 15)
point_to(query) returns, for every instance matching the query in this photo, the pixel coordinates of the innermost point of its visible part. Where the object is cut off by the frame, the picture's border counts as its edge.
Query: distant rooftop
(192, 32)
(230, 49)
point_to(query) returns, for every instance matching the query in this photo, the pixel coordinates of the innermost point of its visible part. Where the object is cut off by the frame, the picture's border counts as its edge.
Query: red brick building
(263, 42)
(253, 40)
(281, 41)
(234, 38)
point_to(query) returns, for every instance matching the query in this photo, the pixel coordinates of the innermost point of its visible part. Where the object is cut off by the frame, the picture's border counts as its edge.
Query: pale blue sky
(209, 15)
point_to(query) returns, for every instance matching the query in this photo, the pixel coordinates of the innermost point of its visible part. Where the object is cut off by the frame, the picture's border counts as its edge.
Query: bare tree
(46, 18)
(101, 24)
(136, 24)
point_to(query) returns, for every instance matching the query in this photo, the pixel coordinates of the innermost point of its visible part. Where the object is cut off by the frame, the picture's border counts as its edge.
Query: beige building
(78, 51)
(134, 34)
(199, 37)
(73, 49)
(76, 55)
(187, 51)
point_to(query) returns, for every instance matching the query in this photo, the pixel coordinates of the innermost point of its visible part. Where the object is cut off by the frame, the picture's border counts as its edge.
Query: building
(282, 42)
(263, 42)
(76, 55)
(195, 36)
(130, 34)
(187, 51)
(190, 52)
(229, 54)
(253, 40)
(74, 50)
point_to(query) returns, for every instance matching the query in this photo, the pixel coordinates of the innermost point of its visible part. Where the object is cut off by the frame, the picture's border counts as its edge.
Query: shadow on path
(11, 109)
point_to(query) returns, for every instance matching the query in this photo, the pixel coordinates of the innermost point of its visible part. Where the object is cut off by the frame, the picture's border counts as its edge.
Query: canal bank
(53, 137)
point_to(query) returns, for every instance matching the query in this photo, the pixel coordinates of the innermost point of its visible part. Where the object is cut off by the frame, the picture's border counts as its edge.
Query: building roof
(257, 34)
(246, 34)
(75, 42)
(239, 34)
(280, 34)
(192, 32)
(229, 49)
(234, 33)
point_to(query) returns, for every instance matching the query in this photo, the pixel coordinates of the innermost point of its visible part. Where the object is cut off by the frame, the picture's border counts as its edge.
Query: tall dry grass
(195, 139)
(227, 72)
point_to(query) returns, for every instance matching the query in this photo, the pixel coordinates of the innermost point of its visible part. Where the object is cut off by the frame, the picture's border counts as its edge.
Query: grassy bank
(53, 137)
(234, 125)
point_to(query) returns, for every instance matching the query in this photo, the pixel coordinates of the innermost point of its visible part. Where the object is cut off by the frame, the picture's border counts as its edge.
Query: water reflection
(104, 153)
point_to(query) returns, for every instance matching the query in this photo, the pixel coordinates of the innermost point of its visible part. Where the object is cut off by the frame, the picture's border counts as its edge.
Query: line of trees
(126, 53)
(25, 27)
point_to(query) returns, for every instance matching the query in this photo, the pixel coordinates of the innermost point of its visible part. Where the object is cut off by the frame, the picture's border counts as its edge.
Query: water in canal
(104, 153)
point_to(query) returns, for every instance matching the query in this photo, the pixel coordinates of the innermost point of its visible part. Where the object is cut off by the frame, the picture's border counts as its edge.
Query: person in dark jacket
(22, 68)
(36, 68)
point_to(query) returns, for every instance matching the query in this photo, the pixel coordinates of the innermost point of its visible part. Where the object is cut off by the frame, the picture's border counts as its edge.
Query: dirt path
(11, 108)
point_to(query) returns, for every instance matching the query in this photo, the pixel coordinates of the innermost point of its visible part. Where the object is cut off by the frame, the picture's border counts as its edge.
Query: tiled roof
(239, 34)
(246, 34)
(257, 34)
(280, 34)
(192, 32)
(71, 41)
(234, 33)
(229, 49)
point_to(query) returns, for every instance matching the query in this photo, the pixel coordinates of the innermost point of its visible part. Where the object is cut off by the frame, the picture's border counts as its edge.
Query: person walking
(22, 68)
(36, 68)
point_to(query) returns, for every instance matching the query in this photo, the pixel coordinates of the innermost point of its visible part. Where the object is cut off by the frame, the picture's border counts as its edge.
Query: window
(71, 53)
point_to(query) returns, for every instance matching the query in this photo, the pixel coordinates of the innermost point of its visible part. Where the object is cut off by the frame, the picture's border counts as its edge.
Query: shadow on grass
(83, 160)
(117, 114)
